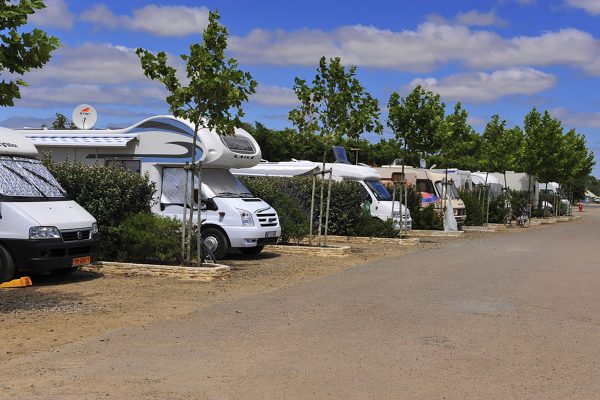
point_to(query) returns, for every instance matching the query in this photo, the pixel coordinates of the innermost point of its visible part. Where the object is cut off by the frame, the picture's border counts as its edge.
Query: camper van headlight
(44, 232)
(94, 228)
(246, 218)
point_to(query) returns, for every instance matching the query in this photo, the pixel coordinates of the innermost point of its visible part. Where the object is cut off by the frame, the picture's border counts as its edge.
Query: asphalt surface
(509, 316)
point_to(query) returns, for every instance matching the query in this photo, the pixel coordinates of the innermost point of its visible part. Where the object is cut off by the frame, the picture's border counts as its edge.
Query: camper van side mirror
(209, 204)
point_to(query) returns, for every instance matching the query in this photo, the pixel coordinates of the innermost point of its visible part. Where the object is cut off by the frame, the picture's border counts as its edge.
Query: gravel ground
(59, 310)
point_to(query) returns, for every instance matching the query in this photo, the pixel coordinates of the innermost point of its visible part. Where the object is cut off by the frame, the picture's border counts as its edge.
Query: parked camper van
(40, 229)
(378, 197)
(160, 146)
(433, 184)
(462, 179)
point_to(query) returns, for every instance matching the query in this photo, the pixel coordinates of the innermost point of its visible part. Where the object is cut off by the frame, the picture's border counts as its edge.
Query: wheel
(7, 265)
(509, 220)
(525, 221)
(64, 271)
(252, 251)
(216, 242)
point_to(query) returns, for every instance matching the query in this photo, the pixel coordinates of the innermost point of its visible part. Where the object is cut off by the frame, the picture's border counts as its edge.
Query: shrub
(474, 205)
(148, 238)
(374, 227)
(291, 197)
(110, 194)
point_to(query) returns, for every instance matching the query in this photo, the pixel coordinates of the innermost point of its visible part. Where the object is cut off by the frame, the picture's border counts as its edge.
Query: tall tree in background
(334, 107)
(62, 122)
(461, 146)
(501, 146)
(577, 163)
(20, 51)
(418, 121)
(213, 97)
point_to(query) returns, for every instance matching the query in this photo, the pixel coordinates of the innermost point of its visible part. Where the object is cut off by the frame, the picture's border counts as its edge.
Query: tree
(20, 51)
(418, 121)
(576, 163)
(62, 122)
(212, 98)
(501, 146)
(461, 147)
(336, 106)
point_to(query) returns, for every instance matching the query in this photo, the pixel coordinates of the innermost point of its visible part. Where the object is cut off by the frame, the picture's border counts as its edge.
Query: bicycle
(511, 219)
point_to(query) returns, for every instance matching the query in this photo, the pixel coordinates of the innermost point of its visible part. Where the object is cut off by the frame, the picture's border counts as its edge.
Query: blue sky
(502, 56)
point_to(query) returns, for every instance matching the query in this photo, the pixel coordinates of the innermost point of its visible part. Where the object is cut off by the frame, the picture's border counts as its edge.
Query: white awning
(81, 140)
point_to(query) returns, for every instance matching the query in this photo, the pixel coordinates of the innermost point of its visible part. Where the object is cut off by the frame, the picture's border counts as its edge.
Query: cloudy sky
(495, 56)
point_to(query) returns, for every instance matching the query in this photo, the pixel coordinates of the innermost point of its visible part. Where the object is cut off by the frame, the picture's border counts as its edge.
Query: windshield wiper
(246, 194)
(228, 194)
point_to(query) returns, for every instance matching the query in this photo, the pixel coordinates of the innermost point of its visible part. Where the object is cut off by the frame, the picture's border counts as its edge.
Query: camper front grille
(77, 234)
(267, 219)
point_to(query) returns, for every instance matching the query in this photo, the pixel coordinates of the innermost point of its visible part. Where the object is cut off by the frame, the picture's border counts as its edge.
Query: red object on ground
(580, 205)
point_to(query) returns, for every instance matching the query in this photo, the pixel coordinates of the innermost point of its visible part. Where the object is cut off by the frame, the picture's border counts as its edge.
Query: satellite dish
(422, 163)
(84, 116)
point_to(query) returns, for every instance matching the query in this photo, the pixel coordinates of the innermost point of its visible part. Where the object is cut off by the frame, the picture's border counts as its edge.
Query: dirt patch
(56, 311)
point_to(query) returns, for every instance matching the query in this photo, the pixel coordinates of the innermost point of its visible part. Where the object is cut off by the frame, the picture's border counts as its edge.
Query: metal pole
(191, 218)
(312, 210)
(327, 212)
(184, 220)
(200, 255)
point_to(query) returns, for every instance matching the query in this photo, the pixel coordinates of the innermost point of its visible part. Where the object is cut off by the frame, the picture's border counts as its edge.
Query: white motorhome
(40, 229)
(160, 146)
(462, 179)
(378, 197)
(432, 185)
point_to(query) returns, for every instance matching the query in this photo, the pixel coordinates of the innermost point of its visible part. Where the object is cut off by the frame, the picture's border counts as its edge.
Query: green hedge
(110, 194)
(291, 197)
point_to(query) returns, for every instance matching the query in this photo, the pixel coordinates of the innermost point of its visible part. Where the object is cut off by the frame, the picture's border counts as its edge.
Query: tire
(509, 220)
(64, 271)
(252, 251)
(525, 222)
(7, 265)
(216, 242)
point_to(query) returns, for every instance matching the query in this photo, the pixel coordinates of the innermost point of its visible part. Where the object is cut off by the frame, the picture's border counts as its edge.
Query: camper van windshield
(380, 192)
(450, 189)
(28, 178)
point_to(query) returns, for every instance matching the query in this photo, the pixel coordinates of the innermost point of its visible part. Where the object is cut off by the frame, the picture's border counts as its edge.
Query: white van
(160, 146)
(375, 193)
(40, 229)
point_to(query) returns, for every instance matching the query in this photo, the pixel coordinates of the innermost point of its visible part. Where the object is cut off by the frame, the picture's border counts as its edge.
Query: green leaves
(335, 106)
(215, 88)
(20, 51)
(418, 121)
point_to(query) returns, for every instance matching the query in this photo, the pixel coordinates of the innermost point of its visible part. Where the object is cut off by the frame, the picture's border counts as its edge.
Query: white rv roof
(277, 169)
(11, 143)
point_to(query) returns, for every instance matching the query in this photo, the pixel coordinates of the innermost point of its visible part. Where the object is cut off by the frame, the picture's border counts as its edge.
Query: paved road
(501, 317)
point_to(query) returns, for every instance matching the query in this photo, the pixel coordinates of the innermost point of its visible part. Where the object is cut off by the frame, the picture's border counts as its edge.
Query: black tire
(525, 222)
(216, 242)
(7, 265)
(64, 271)
(509, 220)
(252, 251)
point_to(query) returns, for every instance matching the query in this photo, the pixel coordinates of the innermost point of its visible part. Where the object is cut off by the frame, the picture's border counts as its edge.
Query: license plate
(81, 261)
(270, 234)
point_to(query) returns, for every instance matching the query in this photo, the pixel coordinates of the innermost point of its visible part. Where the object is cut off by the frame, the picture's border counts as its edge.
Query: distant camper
(160, 146)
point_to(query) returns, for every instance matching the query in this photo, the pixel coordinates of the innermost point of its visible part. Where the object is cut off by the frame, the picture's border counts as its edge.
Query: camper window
(27, 178)
(238, 144)
(129, 165)
(424, 186)
(173, 186)
(450, 189)
(380, 192)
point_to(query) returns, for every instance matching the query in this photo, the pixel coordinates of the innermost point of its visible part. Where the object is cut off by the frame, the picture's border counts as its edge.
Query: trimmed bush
(110, 194)
(474, 206)
(148, 238)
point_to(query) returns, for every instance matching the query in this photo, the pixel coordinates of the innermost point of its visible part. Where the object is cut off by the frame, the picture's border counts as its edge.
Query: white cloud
(476, 18)
(481, 87)
(55, 15)
(274, 96)
(48, 96)
(433, 43)
(26, 122)
(589, 6)
(158, 20)
(576, 118)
